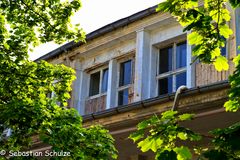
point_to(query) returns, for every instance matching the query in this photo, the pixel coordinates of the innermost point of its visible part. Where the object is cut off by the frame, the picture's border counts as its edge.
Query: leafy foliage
(91, 143)
(226, 143)
(208, 26)
(234, 94)
(160, 135)
(25, 106)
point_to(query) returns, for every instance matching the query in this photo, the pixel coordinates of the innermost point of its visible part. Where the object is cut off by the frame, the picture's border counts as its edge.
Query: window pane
(123, 97)
(224, 49)
(94, 84)
(181, 55)
(104, 80)
(181, 79)
(165, 85)
(165, 60)
(125, 73)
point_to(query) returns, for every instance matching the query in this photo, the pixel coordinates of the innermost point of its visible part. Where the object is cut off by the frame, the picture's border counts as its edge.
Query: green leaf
(194, 38)
(150, 143)
(143, 125)
(183, 153)
(137, 135)
(215, 53)
(231, 106)
(186, 116)
(6, 46)
(182, 136)
(234, 3)
(221, 63)
(225, 31)
(157, 142)
(236, 60)
(169, 114)
(219, 17)
(145, 145)
(162, 6)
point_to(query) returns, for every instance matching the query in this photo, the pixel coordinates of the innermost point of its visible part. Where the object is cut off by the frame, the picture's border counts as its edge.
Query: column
(80, 88)
(141, 87)
(153, 70)
(112, 84)
(190, 67)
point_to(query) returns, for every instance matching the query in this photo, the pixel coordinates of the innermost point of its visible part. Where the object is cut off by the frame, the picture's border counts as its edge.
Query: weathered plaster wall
(142, 39)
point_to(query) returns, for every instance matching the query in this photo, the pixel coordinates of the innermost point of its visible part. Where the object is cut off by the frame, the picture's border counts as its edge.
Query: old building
(130, 69)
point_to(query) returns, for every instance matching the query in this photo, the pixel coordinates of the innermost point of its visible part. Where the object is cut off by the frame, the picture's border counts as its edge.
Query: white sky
(97, 13)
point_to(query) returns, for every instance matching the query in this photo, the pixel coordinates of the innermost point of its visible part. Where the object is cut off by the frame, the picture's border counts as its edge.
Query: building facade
(130, 69)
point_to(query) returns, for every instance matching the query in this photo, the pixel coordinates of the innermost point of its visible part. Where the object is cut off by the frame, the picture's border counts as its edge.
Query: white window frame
(100, 93)
(174, 71)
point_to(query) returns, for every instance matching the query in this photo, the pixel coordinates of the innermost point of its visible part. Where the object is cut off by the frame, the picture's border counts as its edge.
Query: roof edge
(99, 32)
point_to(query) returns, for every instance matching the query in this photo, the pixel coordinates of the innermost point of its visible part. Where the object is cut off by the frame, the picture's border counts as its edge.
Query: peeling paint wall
(143, 39)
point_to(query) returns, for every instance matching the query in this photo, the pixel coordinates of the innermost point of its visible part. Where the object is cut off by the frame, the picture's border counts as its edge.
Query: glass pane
(125, 73)
(181, 58)
(94, 84)
(181, 79)
(123, 97)
(224, 49)
(165, 85)
(104, 81)
(165, 60)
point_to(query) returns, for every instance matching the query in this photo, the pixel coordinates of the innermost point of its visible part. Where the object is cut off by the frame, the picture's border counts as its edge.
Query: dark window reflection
(165, 60)
(181, 56)
(94, 84)
(123, 97)
(125, 73)
(104, 80)
(165, 85)
(181, 79)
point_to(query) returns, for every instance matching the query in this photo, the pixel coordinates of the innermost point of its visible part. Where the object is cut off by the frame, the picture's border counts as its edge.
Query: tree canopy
(25, 107)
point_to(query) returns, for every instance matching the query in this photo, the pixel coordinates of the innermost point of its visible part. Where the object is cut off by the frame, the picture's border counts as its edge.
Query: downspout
(180, 90)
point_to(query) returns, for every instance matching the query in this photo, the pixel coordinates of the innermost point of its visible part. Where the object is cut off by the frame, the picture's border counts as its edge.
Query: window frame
(121, 88)
(100, 93)
(175, 71)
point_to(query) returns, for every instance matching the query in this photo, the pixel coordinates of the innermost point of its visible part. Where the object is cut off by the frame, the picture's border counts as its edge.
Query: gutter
(99, 32)
(153, 101)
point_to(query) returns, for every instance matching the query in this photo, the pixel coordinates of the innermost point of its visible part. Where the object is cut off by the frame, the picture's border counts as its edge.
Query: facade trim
(156, 100)
(99, 32)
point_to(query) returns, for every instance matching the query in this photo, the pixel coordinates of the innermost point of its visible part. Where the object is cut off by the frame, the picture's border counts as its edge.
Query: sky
(97, 13)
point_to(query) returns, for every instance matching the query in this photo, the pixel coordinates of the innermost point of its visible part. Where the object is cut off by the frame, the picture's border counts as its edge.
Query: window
(125, 81)
(172, 68)
(98, 82)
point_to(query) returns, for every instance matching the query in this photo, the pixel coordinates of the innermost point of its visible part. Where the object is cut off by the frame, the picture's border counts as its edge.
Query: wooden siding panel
(95, 105)
(131, 94)
(207, 74)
